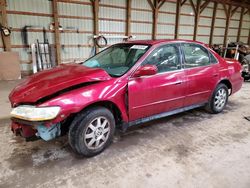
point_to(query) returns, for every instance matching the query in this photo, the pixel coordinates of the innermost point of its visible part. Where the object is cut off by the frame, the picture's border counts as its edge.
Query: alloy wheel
(220, 99)
(97, 133)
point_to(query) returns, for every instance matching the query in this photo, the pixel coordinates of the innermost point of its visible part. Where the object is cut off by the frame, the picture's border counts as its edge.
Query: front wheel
(218, 100)
(92, 131)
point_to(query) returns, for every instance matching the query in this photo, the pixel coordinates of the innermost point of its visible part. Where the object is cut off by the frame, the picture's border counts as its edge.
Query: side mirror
(146, 70)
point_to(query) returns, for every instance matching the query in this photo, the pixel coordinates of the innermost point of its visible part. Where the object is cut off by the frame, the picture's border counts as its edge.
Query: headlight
(32, 113)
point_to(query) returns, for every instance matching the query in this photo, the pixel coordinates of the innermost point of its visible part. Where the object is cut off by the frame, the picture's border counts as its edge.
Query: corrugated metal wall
(77, 22)
(141, 19)
(186, 22)
(76, 18)
(1, 42)
(112, 19)
(19, 16)
(166, 21)
(205, 24)
(245, 28)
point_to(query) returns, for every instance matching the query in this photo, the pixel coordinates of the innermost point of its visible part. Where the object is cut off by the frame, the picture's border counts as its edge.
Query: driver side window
(165, 58)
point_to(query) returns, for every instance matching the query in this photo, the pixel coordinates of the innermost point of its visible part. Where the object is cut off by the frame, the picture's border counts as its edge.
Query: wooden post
(248, 12)
(57, 31)
(204, 5)
(155, 5)
(95, 6)
(155, 19)
(177, 19)
(212, 24)
(228, 15)
(128, 21)
(4, 22)
(240, 23)
(248, 38)
(197, 18)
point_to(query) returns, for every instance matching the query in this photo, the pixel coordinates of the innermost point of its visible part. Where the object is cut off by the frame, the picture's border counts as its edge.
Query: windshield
(117, 59)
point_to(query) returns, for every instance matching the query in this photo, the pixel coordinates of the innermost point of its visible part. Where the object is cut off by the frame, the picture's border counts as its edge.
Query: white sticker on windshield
(139, 47)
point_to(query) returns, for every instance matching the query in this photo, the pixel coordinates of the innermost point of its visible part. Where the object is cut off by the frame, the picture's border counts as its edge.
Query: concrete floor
(192, 149)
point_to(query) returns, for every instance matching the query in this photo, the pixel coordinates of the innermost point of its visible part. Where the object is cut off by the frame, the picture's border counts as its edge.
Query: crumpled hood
(48, 82)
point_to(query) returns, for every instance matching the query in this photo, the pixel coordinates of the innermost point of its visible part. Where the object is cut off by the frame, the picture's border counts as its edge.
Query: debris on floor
(247, 118)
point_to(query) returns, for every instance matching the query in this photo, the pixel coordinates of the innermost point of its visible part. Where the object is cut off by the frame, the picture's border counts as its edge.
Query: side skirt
(161, 115)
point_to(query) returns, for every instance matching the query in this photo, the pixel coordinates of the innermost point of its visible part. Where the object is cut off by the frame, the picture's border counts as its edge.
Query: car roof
(154, 42)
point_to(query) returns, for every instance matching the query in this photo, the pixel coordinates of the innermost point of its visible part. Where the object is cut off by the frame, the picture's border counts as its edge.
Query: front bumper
(25, 131)
(31, 130)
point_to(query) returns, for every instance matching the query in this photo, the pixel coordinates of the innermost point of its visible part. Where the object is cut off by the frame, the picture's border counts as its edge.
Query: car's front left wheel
(92, 131)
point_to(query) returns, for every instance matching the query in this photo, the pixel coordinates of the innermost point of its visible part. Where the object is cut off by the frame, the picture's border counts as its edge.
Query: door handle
(177, 83)
(215, 75)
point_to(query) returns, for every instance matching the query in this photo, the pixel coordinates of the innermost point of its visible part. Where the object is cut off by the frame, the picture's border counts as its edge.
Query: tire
(91, 131)
(218, 99)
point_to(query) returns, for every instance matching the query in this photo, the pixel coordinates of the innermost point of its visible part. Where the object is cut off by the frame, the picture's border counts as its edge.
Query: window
(166, 58)
(117, 59)
(213, 60)
(195, 55)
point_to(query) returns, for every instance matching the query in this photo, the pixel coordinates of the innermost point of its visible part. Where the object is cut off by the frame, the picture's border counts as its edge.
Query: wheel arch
(110, 106)
(228, 84)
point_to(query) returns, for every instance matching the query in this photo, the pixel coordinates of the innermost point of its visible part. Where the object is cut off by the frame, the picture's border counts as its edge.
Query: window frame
(201, 46)
(149, 46)
(211, 54)
(179, 55)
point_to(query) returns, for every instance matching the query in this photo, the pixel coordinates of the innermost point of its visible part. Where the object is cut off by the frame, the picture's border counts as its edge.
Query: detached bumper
(31, 130)
(25, 131)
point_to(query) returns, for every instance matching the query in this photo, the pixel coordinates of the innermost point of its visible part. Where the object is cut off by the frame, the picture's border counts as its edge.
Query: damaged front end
(39, 108)
(31, 122)
(32, 131)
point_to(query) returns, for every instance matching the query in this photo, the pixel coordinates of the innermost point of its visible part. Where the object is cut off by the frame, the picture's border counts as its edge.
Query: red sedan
(126, 84)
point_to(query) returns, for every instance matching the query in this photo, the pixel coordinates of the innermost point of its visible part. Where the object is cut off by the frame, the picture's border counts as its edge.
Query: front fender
(76, 100)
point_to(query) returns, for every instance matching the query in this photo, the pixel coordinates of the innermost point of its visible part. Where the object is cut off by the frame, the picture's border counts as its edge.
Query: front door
(164, 91)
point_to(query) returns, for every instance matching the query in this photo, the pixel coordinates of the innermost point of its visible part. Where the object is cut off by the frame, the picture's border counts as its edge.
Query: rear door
(201, 69)
(150, 95)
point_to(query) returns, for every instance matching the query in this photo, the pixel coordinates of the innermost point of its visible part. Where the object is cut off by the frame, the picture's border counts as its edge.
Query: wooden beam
(4, 22)
(238, 3)
(57, 32)
(151, 4)
(240, 23)
(229, 11)
(225, 9)
(161, 3)
(234, 10)
(183, 2)
(193, 6)
(197, 18)
(95, 5)
(128, 21)
(212, 23)
(204, 5)
(248, 10)
(249, 38)
(155, 19)
(177, 18)
(95, 8)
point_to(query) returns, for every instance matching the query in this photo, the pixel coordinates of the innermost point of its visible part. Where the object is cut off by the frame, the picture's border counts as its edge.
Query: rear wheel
(218, 100)
(92, 131)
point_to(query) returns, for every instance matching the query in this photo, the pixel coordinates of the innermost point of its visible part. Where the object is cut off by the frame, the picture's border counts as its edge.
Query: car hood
(48, 82)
